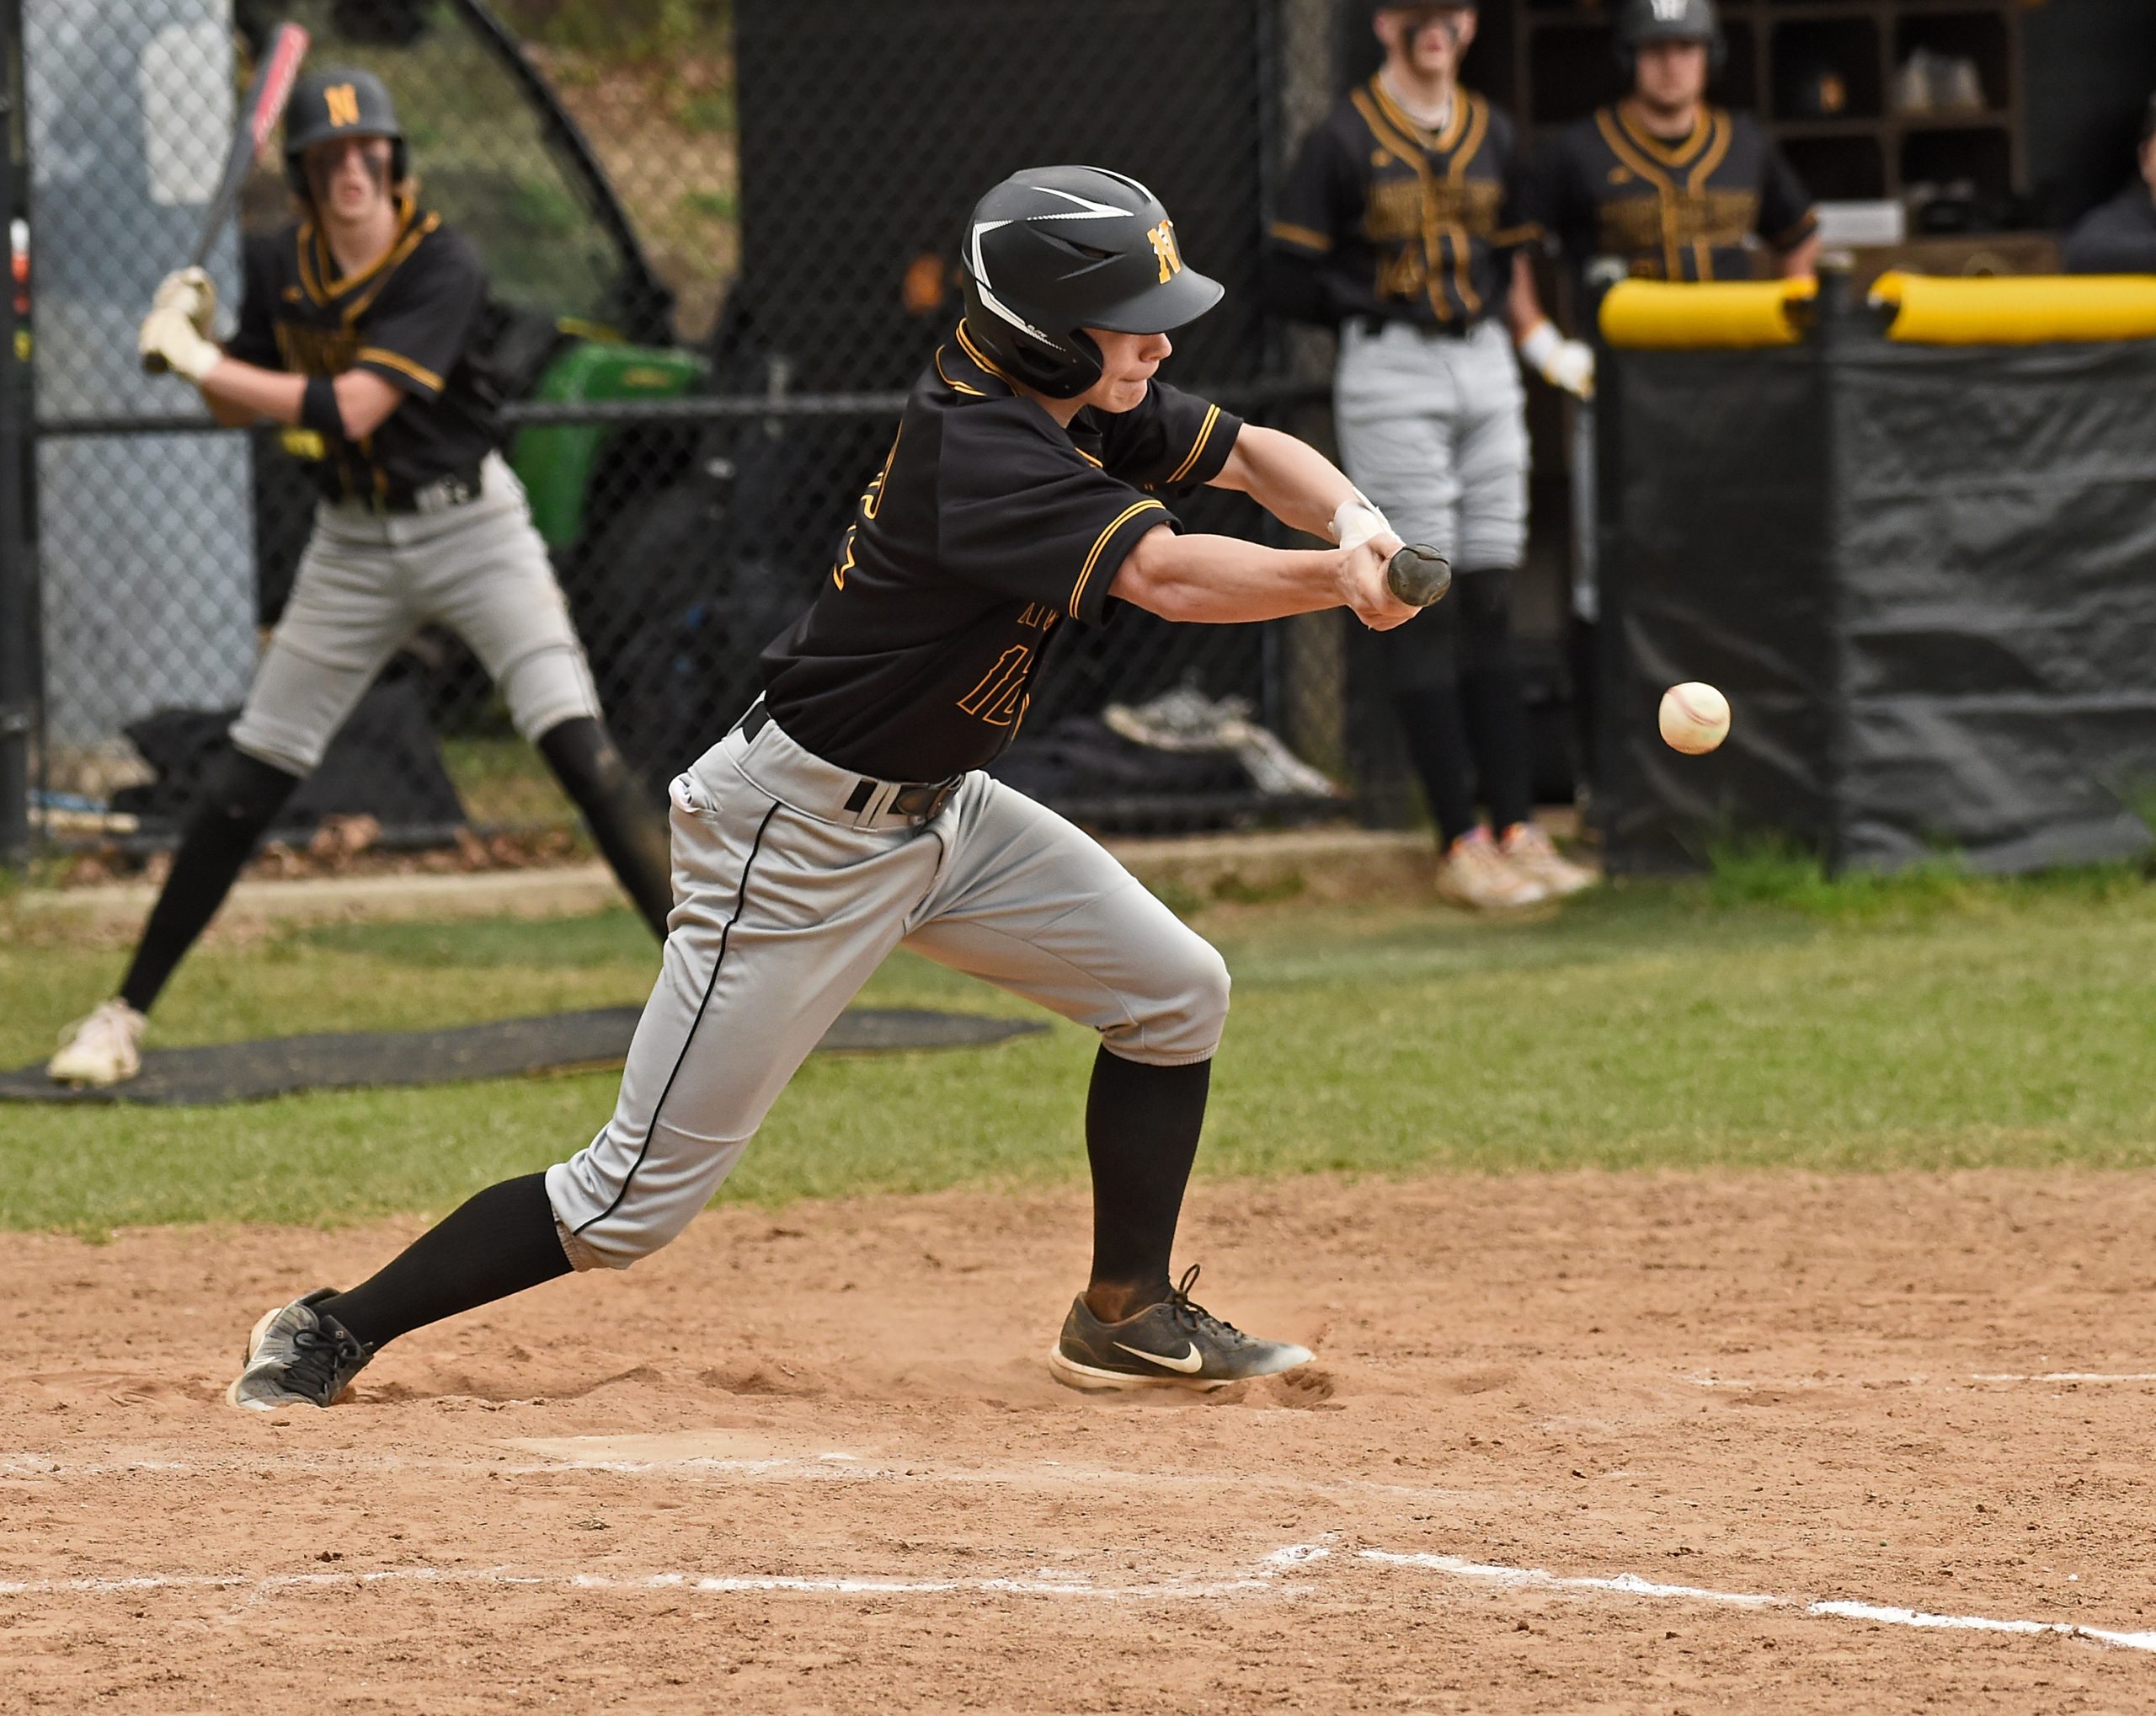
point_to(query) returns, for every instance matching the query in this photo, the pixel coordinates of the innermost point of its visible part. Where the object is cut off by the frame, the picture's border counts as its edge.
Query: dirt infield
(1575, 1443)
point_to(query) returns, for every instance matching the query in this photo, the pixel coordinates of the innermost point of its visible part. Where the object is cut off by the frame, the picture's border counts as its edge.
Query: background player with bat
(359, 332)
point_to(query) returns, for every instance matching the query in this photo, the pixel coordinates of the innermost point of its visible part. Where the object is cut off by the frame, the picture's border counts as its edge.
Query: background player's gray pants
(785, 902)
(369, 581)
(1434, 430)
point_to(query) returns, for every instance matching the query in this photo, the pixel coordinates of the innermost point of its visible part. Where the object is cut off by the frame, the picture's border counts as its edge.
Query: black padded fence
(720, 240)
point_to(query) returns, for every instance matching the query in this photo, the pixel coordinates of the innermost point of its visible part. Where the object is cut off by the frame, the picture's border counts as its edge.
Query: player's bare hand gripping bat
(264, 105)
(1418, 575)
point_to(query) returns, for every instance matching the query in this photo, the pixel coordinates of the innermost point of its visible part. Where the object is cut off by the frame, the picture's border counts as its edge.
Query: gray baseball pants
(786, 902)
(1434, 430)
(369, 581)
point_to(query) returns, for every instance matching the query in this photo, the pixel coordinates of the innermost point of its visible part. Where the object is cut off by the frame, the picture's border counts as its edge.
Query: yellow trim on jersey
(1419, 162)
(408, 214)
(1611, 124)
(1204, 435)
(1308, 237)
(1717, 149)
(956, 386)
(1438, 140)
(395, 259)
(376, 354)
(1085, 574)
(1087, 457)
(975, 353)
(1671, 154)
(1478, 123)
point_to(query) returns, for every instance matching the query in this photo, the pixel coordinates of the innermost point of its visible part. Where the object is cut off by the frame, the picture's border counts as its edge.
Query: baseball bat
(259, 114)
(1418, 576)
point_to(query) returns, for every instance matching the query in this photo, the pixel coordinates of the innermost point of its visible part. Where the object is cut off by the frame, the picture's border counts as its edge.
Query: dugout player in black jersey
(1026, 489)
(1660, 185)
(1663, 185)
(359, 333)
(1401, 226)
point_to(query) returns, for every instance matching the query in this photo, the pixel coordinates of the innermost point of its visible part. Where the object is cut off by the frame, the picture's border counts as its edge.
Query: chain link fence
(720, 240)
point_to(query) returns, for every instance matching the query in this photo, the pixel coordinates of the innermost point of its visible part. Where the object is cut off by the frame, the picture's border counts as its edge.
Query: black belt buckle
(916, 802)
(921, 802)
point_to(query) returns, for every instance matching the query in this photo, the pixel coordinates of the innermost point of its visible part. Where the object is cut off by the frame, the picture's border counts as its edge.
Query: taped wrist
(1541, 344)
(1356, 520)
(318, 408)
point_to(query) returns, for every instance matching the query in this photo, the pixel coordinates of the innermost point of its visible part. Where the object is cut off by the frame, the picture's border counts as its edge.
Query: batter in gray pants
(851, 814)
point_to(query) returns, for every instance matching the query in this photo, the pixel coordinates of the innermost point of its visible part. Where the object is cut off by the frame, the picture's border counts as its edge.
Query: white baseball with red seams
(1693, 718)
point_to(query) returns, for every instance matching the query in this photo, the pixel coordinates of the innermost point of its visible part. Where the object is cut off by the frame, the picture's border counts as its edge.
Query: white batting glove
(1356, 520)
(1563, 363)
(189, 290)
(170, 333)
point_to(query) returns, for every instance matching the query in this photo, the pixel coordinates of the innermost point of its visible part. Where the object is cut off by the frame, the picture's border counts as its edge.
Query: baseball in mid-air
(1694, 718)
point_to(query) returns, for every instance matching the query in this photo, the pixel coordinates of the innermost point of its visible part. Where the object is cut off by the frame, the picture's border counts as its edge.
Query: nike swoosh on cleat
(1189, 1363)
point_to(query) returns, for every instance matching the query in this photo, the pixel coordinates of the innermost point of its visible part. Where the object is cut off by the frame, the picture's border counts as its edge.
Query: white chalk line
(1265, 1579)
(1632, 1585)
(1041, 1582)
(1707, 1379)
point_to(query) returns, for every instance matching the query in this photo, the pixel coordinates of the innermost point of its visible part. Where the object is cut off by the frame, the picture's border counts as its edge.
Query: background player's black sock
(1431, 723)
(496, 1243)
(1141, 1136)
(241, 798)
(629, 828)
(1490, 687)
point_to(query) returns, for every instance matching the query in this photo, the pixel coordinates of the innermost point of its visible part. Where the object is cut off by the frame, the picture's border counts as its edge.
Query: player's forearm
(233, 388)
(1289, 479)
(1802, 263)
(1222, 580)
(239, 392)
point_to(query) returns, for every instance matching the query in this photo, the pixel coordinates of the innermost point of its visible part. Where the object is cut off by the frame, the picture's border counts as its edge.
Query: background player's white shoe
(1475, 873)
(1530, 851)
(106, 1048)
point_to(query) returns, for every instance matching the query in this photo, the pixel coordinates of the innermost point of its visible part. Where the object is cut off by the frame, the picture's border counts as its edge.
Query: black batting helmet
(1054, 250)
(1645, 21)
(343, 102)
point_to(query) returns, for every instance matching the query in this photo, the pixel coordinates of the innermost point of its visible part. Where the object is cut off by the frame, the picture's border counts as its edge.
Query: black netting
(720, 240)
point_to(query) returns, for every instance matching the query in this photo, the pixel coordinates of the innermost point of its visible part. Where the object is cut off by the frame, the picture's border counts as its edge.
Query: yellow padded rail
(2034, 309)
(1662, 315)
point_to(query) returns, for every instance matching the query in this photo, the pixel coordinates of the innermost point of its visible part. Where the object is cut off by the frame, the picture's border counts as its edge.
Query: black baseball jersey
(414, 317)
(1605, 187)
(988, 527)
(1381, 217)
(2117, 238)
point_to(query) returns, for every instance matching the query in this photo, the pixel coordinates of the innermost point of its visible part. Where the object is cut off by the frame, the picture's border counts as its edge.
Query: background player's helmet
(1054, 250)
(1644, 21)
(342, 103)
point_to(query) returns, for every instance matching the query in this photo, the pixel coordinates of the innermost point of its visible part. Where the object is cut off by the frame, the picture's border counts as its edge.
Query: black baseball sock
(496, 1243)
(631, 832)
(1141, 1136)
(1490, 688)
(241, 798)
(1431, 723)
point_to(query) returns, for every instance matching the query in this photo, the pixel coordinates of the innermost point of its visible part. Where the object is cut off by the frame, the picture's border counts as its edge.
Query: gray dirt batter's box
(224, 1072)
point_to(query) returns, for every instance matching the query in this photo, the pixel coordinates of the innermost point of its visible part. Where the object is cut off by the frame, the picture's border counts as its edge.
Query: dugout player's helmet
(1052, 251)
(344, 102)
(1645, 21)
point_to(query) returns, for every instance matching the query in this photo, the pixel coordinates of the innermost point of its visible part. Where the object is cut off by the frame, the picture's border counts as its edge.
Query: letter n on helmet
(1052, 251)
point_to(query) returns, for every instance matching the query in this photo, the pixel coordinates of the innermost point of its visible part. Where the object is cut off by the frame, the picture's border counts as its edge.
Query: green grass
(1758, 1017)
